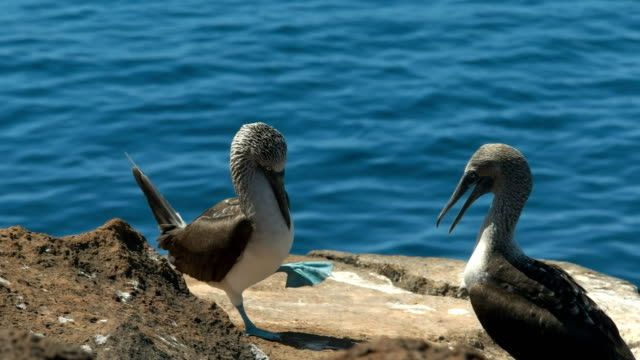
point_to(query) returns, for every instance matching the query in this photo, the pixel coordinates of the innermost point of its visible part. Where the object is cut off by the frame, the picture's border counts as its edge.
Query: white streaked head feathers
(261, 143)
(255, 146)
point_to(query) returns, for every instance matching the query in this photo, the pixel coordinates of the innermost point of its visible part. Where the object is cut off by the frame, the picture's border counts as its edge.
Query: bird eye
(268, 168)
(472, 177)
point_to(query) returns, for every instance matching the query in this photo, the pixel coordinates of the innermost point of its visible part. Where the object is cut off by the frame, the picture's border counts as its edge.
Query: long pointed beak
(461, 188)
(276, 179)
(482, 187)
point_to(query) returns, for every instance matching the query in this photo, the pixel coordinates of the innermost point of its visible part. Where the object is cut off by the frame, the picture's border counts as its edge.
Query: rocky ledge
(371, 296)
(106, 294)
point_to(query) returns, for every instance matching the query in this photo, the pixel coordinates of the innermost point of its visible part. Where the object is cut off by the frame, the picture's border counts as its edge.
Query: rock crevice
(402, 274)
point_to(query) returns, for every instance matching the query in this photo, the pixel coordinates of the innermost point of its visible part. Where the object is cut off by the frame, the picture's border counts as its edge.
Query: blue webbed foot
(263, 334)
(306, 273)
(251, 329)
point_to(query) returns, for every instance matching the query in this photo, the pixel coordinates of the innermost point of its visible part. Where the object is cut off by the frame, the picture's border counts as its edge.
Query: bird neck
(242, 185)
(497, 232)
(257, 200)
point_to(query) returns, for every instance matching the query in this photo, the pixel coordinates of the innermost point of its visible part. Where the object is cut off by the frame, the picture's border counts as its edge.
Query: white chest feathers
(270, 241)
(476, 266)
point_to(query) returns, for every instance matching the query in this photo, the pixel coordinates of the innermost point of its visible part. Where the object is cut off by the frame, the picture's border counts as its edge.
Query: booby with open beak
(533, 310)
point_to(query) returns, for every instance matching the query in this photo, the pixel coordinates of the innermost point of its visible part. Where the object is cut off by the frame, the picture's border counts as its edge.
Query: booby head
(260, 147)
(495, 168)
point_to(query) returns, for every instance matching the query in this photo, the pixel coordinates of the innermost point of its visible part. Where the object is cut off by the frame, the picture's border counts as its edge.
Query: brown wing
(208, 248)
(526, 332)
(537, 311)
(570, 303)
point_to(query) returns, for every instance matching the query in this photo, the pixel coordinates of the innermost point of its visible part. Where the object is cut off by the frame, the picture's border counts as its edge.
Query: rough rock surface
(108, 293)
(373, 296)
(22, 345)
(399, 349)
(355, 305)
(618, 298)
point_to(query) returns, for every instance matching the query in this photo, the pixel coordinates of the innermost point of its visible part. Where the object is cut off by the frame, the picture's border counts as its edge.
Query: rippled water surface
(382, 105)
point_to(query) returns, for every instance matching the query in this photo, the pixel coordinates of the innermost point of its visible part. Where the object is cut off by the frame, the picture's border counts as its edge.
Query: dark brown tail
(165, 214)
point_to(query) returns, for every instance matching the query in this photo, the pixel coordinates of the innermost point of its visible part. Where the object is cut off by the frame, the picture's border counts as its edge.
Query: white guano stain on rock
(173, 341)
(101, 339)
(64, 319)
(411, 308)
(36, 334)
(86, 348)
(457, 312)
(164, 340)
(257, 353)
(355, 280)
(134, 283)
(88, 276)
(123, 296)
(4, 282)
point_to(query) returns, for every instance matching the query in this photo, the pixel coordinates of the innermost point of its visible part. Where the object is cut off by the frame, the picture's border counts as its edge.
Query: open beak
(482, 186)
(276, 179)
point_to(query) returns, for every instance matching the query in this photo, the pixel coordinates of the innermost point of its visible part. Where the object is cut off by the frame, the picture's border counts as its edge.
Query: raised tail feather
(166, 216)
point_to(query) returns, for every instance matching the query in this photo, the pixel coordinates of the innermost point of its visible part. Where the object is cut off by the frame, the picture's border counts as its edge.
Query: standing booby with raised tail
(243, 240)
(531, 309)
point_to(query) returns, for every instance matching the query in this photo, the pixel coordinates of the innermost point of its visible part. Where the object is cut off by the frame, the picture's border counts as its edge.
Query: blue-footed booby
(533, 310)
(239, 241)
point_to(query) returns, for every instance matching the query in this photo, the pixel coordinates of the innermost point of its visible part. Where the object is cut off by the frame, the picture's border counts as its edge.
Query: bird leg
(306, 273)
(251, 329)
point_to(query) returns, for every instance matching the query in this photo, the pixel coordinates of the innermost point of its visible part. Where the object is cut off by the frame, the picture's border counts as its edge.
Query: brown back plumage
(207, 248)
(537, 311)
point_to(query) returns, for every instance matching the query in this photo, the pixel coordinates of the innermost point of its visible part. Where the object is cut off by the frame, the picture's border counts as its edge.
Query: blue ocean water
(382, 104)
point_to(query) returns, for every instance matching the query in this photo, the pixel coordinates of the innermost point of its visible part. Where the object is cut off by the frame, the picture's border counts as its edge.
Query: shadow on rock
(405, 349)
(300, 340)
